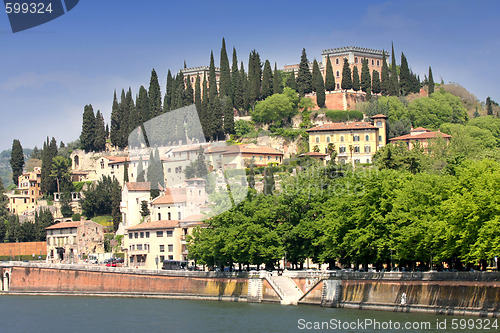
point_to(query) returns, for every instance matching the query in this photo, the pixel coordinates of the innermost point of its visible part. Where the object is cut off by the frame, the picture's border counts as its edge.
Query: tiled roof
(379, 116)
(424, 135)
(162, 224)
(314, 153)
(187, 148)
(63, 225)
(194, 218)
(173, 195)
(420, 129)
(249, 148)
(138, 186)
(355, 125)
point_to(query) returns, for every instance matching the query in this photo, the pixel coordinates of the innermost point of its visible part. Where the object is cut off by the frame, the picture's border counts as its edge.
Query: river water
(19, 314)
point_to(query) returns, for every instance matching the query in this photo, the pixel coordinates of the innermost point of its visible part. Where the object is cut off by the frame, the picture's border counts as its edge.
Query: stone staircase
(288, 291)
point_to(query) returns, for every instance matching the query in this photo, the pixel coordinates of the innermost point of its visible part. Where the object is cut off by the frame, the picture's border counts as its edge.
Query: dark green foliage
(140, 171)
(204, 109)
(366, 80)
(376, 82)
(356, 85)
(144, 208)
(251, 175)
(346, 76)
(319, 85)
(290, 81)
(212, 81)
(115, 122)
(127, 113)
(155, 173)
(489, 107)
(254, 77)
(340, 116)
(100, 132)
(236, 84)
(277, 81)
(198, 168)
(188, 93)
(329, 77)
(36, 153)
(385, 80)
(430, 82)
(48, 184)
(405, 77)
(269, 183)
(88, 129)
(116, 197)
(60, 173)
(197, 96)
(97, 198)
(399, 128)
(16, 160)
(225, 74)
(65, 201)
(154, 95)
(125, 172)
(476, 113)
(227, 108)
(3, 212)
(142, 106)
(76, 217)
(394, 81)
(167, 102)
(267, 80)
(246, 87)
(304, 77)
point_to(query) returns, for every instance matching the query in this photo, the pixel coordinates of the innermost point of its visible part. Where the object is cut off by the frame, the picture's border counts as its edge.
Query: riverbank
(461, 293)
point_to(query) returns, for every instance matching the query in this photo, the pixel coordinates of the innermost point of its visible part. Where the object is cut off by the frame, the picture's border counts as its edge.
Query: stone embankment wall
(472, 293)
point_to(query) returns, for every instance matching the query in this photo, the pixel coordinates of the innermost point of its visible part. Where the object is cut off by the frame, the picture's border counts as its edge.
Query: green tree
(489, 106)
(254, 77)
(394, 81)
(405, 77)
(60, 171)
(197, 96)
(274, 108)
(269, 183)
(290, 81)
(366, 80)
(88, 129)
(376, 82)
(384, 76)
(140, 171)
(144, 208)
(430, 82)
(116, 197)
(356, 85)
(227, 107)
(16, 161)
(329, 77)
(115, 122)
(237, 83)
(167, 101)
(225, 74)
(319, 85)
(346, 76)
(277, 81)
(267, 80)
(65, 201)
(154, 95)
(251, 175)
(48, 183)
(188, 93)
(100, 133)
(304, 77)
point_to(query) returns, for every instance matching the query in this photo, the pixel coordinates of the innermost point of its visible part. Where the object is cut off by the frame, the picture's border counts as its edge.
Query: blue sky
(48, 73)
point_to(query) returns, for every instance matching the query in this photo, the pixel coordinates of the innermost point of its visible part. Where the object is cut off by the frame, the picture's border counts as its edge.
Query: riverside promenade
(457, 293)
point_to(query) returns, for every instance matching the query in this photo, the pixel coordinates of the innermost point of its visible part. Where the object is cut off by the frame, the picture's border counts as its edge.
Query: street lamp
(156, 259)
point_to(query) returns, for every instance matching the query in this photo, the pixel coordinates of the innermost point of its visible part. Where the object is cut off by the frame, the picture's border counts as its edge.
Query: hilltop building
(420, 136)
(25, 198)
(354, 142)
(201, 71)
(240, 156)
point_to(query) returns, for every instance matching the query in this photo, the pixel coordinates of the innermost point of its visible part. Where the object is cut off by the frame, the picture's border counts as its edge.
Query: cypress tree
(16, 161)
(245, 89)
(277, 81)
(115, 122)
(100, 133)
(267, 80)
(319, 85)
(125, 104)
(134, 119)
(476, 113)
(431, 82)
(179, 96)
(227, 108)
(290, 81)
(88, 129)
(107, 131)
(125, 172)
(489, 111)
(405, 78)
(254, 77)
(346, 76)
(366, 80)
(188, 93)
(375, 82)
(197, 96)
(385, 78)
(48, 183)
(225, 74)
(140, 171)
(204, 109)
(394, 82)
(304, 77)
(154, 94)
(355, 79)
(234, 77)
(142, 106)
(167, 102)
(329, 77)
(116, 195)
(214, 116)
(212, 81)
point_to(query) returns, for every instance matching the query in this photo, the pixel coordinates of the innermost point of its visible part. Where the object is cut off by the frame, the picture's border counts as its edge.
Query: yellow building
(354, 142)
(25, 197)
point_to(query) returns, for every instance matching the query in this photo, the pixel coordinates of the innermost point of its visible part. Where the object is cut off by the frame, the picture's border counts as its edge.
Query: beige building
(68, 242)
(133, 194)
(25, 198)
(354, 142)
(420, 136)
(147, 245)
(240, 156)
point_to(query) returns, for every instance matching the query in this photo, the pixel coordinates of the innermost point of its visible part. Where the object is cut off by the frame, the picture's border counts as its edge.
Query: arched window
(355, 60)
(379, 123)
(367, 137)
(169, 215)
(341, 138)
(378, 64)
(77, 161)
(338, 85)
(338, 75)
(355, 137)
(373, 62)
(337, 61)
(317, 139)
(327, 139)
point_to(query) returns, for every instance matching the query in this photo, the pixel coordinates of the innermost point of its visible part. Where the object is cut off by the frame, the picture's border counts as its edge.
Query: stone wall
(24, 248)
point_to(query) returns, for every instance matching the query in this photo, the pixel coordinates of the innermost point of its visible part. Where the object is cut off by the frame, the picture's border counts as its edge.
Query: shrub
(76, 217)
(339, 115)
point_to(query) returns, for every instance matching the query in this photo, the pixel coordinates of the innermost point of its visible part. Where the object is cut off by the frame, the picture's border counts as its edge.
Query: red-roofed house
(421, 136)
(240, 156)
(354, 142)
(133, 194)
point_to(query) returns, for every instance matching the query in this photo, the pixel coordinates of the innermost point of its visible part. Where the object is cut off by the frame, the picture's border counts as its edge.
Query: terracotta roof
(424, 135)
(194, 218)
(249, 148)
(379, 116)
(172, 195)
(138, 186)
(162, 224)
(420, 129)
(314, 153)
(355, 125)
(187, 148)
(63, 225)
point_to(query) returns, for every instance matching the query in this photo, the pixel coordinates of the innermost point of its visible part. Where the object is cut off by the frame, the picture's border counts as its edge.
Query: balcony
(138, 252)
